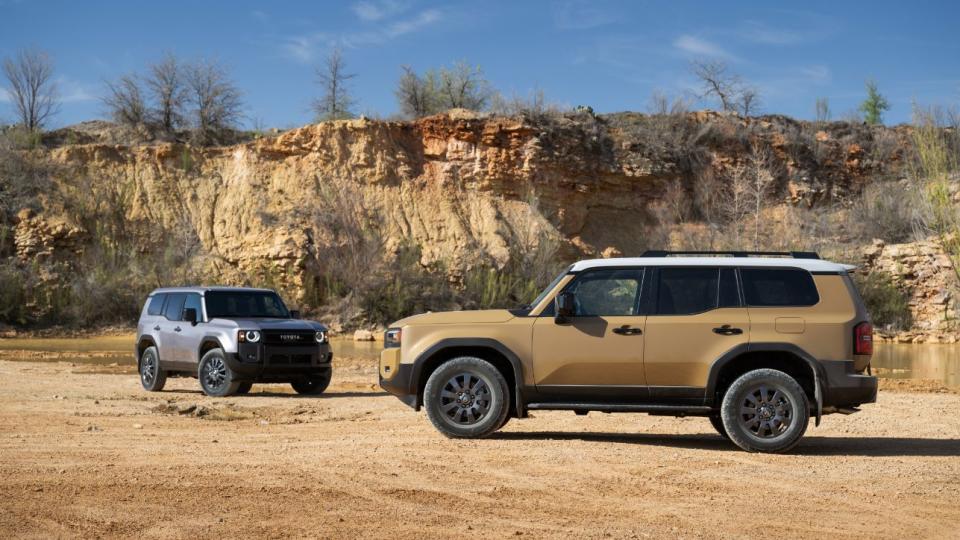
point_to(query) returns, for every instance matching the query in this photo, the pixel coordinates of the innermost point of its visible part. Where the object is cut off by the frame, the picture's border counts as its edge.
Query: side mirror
(564, 307)
(294, 313)
(190, 315)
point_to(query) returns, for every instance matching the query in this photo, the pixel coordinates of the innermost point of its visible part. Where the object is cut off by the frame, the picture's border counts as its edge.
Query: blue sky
(609, 55)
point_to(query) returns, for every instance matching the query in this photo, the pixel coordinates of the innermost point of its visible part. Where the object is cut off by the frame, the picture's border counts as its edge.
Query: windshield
(243, 304)
(549, 288)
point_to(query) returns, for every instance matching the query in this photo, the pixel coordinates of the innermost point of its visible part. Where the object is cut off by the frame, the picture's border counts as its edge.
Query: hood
(275, 324)
(487, 316)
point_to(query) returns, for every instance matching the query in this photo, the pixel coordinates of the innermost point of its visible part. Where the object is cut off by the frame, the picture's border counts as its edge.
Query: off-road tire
(244, 388)
(717, 424)
(463, 387)
(151, 376)
(315, 385)
(757, 400)
(216, 378)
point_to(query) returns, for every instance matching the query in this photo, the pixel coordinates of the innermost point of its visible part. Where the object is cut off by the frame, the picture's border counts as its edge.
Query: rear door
(696, 316)
(190, 335)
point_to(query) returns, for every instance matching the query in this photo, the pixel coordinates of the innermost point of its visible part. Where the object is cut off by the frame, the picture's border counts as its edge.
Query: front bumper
(844, 387)
(265, 363)
(397, 378)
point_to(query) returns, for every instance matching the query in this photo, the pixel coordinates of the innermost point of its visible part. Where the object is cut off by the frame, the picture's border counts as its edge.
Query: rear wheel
(314, 385)
(151, 376)
(765, 410)
(467, 397)
(216, 378)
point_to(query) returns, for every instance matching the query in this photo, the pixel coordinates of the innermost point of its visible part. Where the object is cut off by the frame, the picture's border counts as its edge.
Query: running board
(678, 410)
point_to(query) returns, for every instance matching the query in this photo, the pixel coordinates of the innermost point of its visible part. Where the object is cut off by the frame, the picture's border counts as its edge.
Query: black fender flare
(210, 338)
(815, 367)
(140, 344)
(488, 343)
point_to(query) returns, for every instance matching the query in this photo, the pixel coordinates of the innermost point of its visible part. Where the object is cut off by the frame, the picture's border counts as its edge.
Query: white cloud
(816, 74)
(304, 48)
(579, 15)
(375, 11)
(4, 96)
(73, 91)
(425, 18)
(701, 47)
(758, 32)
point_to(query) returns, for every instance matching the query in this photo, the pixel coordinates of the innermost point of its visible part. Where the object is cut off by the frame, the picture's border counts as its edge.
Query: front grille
(290, 359)
(296, 338)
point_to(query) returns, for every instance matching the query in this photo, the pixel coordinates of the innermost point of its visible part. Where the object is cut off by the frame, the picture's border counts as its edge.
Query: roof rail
(793, 254)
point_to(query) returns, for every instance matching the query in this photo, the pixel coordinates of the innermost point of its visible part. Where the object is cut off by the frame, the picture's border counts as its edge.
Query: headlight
(391, 338)
(249, 336)
(321, 336)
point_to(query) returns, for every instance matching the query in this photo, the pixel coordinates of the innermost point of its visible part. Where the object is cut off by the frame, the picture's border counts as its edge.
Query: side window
(155, 307)
(174, 307)
(728, 295)
(193, 301)
(602, 293)
(778, 287)
(685, 291)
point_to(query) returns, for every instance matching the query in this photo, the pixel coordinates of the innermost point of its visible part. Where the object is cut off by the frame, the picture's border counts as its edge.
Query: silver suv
(229, 338)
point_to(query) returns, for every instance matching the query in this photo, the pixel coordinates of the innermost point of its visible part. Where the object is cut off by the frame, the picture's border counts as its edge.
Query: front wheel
(151, 376)
(467, 397)
(313, 385)
(216, 378)
(765, 410)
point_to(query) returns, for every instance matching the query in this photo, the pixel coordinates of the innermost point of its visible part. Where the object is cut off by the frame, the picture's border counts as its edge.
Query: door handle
(627, 330)
(727, 330)
(177, 329)
(157, 328)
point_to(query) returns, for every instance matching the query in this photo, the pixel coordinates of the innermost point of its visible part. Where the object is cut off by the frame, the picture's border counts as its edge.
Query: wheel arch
(143, 344)
(207, 344)
(785, 357)
(488, 349)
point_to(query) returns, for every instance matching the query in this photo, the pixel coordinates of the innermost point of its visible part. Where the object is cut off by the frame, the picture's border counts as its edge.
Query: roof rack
(793, 254)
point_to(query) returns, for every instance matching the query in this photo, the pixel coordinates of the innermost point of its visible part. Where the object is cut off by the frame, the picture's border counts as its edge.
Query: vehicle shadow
(291, 395)
(809, 446)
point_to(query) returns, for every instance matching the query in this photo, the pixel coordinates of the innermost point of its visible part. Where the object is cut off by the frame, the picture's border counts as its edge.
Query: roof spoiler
(792, 254)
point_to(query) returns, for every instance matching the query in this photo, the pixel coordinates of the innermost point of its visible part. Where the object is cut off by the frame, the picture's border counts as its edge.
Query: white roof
(811, 265)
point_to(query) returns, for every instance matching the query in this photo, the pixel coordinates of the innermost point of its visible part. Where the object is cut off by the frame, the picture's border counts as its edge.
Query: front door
(598, 353)
(171, 326)
(696, 316)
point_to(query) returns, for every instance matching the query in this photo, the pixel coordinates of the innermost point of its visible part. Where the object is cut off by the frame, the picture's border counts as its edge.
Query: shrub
(891, 211)
(889, 307)
(12, 297)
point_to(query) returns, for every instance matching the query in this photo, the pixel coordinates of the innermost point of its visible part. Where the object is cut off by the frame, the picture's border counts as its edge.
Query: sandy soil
(85, 452)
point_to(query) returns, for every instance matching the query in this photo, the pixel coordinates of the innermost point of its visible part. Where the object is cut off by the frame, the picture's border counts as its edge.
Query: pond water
(899, 361)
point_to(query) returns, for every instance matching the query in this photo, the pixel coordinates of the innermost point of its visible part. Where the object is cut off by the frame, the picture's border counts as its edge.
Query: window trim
(798, 269)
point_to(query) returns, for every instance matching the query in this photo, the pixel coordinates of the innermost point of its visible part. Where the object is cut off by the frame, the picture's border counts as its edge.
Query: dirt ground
(85, 452)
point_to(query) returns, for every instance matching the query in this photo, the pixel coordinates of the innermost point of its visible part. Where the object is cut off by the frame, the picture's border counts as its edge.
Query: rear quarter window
(766, 287)
(155, 304)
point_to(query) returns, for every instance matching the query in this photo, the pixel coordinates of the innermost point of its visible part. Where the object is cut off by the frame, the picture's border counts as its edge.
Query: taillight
(863, 339)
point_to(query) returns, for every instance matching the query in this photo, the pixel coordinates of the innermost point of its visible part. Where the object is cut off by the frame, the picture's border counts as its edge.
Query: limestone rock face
(465, 188)
(924, 271)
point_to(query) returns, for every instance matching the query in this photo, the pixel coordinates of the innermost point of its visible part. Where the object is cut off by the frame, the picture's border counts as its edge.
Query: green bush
(12, 297)
(889, 306)
(404, 287)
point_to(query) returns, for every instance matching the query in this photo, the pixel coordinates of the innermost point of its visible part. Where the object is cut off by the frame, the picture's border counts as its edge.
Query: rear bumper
(844, 387)
(265, 363)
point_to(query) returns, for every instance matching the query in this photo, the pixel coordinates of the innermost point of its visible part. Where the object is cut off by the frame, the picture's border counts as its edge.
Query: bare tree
(216, 101)
(759, 169)
(124, 101)
(31, 87)
(718, 82)
(822, 109)
(464, 87)
(415, 94)
(165, 81)
(736, 201)
(336, 101)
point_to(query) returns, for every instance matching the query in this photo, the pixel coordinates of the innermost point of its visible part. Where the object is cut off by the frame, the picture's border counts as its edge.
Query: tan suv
(758, 342)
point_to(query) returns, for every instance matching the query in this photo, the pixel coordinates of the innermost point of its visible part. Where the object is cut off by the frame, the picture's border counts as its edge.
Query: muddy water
(898, 361)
